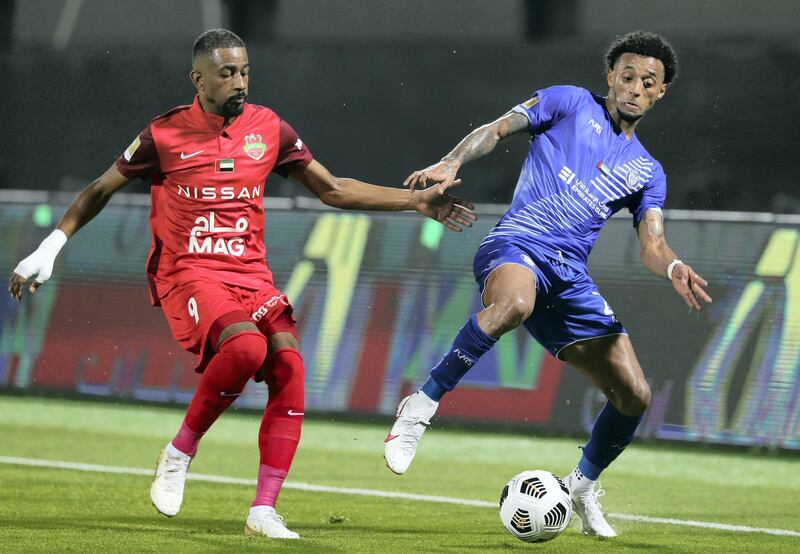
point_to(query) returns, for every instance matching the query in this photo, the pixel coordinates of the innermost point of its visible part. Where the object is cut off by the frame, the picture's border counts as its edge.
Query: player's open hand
(690, 286)
(442, 173)
(454, 213)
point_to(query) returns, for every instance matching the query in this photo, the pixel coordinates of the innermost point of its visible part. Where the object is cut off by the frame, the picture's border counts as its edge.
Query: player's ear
(197, 79)
(662, 92)
(610, 78)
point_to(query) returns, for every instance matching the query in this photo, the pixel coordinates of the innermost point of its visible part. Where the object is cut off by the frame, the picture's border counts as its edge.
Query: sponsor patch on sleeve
(128, 154)
(532, 102)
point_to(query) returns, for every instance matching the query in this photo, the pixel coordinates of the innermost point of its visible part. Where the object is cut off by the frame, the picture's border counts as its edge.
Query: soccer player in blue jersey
(585, 163)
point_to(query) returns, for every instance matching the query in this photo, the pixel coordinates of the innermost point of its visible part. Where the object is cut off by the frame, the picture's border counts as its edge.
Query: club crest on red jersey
(254, 146)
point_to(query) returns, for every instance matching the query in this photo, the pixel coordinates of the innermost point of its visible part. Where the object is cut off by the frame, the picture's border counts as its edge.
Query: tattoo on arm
(654, 224)
(516, 123)
(482, 140)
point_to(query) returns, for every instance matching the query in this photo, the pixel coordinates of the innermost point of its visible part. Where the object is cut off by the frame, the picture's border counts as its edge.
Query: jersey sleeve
(652, 196)
(547, 106)
(292, 152)
(140, 159)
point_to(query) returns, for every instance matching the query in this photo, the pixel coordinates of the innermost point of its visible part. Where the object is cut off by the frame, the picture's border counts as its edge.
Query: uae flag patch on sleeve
(223, 166)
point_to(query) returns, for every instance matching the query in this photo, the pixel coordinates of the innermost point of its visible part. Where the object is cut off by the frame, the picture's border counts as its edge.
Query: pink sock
(270, 481)
(187, 440)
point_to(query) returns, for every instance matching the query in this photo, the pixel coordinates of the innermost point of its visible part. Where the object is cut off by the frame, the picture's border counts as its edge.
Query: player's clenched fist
(39, 264)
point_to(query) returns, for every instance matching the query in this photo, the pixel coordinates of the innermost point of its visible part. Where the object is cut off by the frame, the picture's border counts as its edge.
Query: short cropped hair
(213, 39)
(647, 44)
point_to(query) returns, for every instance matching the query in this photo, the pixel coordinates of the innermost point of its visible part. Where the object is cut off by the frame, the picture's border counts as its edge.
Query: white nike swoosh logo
(192, 155)
(296, 413)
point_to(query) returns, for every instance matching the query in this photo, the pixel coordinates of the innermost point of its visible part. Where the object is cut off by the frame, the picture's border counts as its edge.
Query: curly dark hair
(648, 44)
(213, 39)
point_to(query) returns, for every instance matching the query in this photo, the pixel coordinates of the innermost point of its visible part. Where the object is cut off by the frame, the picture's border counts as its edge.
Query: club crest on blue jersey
(632, 179)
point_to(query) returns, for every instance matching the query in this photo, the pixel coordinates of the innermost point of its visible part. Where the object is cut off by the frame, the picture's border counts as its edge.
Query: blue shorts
(569, 307)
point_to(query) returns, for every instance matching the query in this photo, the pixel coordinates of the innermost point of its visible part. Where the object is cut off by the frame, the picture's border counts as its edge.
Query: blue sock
(433, 390)
(470, 344)
(611, 433)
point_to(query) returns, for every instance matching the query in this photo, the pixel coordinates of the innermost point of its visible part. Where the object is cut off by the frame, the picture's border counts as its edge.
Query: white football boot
(264, 521)
(413, 416)
(166, 492)
(584, 494)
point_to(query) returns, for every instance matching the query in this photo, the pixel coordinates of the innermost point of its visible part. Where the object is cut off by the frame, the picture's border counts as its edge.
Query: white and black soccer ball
(535, 506)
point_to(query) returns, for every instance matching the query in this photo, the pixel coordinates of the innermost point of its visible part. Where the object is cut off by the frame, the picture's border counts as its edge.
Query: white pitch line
(95, 468)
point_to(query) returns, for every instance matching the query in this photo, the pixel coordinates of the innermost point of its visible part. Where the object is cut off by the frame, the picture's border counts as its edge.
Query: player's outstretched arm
(478, 143)
(350, 194)
(88, 204)
(659, 258)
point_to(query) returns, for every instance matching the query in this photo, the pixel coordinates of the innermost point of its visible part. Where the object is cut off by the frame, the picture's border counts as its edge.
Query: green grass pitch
(60, 510)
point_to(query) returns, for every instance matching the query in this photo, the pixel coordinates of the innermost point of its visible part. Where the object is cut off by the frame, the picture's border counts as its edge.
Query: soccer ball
(535, 506)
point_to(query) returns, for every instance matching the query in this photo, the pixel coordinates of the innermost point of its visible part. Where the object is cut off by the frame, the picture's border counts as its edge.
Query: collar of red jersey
(212, 121)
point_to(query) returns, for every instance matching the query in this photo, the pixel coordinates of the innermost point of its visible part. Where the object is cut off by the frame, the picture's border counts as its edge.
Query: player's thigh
(610, 362)
(509, 296)
(274, 316)
(234, 329)
(281, 340)
(199, 310)
(505, 273)
(510, 282)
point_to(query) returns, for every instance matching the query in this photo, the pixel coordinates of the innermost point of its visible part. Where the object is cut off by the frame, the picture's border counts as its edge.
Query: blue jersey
(580, 170)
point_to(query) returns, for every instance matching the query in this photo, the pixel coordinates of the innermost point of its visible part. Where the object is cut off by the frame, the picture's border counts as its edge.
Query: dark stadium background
(378, 89)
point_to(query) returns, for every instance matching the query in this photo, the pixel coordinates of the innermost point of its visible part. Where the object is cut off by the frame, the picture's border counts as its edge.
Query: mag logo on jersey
(254, 146)
(204, 239)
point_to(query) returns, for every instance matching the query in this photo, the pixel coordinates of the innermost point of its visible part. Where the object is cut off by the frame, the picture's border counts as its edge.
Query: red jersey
(207, 184)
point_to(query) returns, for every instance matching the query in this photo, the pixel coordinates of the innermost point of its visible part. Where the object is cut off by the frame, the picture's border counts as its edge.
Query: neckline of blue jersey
(601, 100)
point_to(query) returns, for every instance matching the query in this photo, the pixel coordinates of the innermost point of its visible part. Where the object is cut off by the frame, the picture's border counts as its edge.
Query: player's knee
(247, 350)
(636, 399)
(285, 377)
(514, 310)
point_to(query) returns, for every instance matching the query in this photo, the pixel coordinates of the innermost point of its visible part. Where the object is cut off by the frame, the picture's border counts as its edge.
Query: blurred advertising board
(379, 298)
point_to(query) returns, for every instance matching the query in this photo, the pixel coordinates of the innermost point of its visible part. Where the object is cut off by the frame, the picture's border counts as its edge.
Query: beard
(628, 117)
(231, 108)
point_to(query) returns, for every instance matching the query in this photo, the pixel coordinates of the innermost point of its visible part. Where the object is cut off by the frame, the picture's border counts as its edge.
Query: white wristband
(671, 267)
(54, 242)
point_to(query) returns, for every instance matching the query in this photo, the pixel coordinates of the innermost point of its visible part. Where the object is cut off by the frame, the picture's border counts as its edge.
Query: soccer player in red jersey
(208, 163)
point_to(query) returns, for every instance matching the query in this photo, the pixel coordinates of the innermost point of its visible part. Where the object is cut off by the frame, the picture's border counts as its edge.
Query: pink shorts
(198, 311)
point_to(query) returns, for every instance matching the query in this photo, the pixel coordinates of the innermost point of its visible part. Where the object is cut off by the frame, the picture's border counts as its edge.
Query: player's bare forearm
(351, 194)
(483, 140)
(657, 256)
(91, 201)
(478, 143)
(655, 253)
(83, 209)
